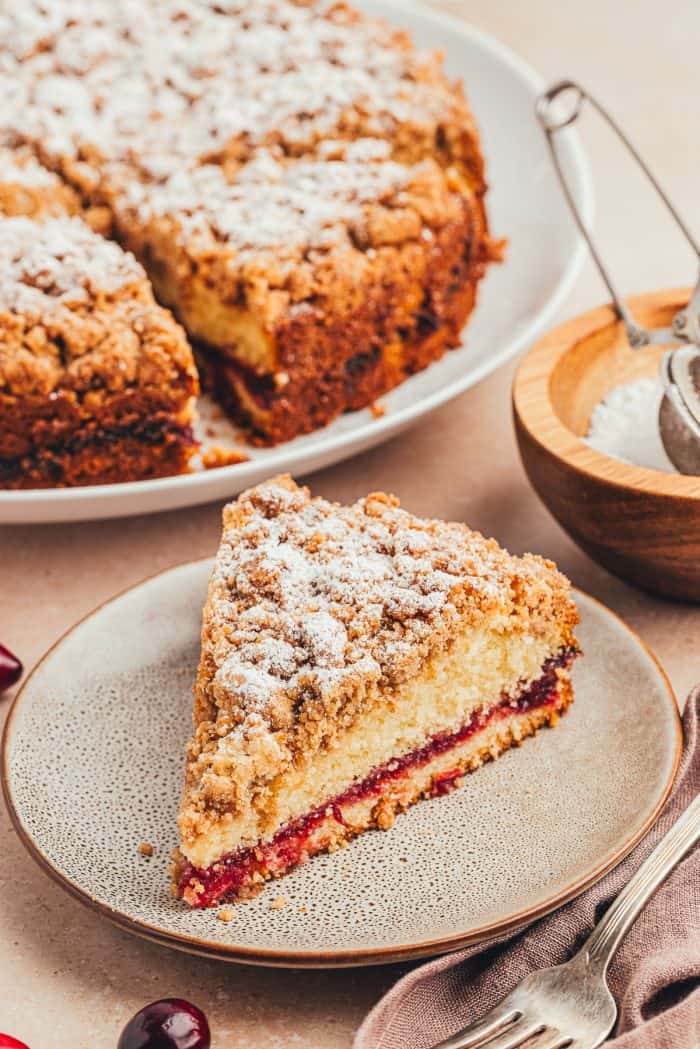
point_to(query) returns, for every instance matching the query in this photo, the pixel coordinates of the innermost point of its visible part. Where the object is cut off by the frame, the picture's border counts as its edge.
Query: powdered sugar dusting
(60, 262)
(271, 203)
(308, 599)
(174, 81)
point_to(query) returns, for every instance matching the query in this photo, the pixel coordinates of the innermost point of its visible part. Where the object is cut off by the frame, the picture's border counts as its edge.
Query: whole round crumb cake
(304, 189)
(354, 660)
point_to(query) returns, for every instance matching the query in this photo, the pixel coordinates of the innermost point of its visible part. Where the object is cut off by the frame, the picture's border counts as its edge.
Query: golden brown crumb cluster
(28, 188)
(317, 611)
(78, 314)
(97, 381)
(46, 266)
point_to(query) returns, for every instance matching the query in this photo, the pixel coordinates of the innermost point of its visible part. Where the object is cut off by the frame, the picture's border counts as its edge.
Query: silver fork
(570, 1004)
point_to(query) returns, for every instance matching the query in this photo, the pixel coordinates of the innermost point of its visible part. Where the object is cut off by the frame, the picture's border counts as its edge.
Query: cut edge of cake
(362, 272)
(328, 79)
(354, 659)
(97, 381)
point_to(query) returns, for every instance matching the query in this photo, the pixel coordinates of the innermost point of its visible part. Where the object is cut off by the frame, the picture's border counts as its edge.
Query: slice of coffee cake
(354, 659)
(97, 381)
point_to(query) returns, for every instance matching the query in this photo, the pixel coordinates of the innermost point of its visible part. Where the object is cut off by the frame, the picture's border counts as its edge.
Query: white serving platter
(517, 300)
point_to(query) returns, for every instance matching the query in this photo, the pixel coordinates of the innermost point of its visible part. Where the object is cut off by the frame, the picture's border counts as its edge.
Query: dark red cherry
(171, 1023)
(10, 673)
(8, 1042)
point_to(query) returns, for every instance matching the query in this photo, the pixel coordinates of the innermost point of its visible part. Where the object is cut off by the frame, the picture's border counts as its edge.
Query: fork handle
(610, 930)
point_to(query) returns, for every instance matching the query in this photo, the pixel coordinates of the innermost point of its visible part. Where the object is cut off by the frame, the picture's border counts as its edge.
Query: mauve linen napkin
(655, 975)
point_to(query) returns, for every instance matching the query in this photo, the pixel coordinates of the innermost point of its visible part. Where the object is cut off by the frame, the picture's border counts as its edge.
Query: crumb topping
(310, 602)
(21, 168)
(78, 320)
(171, 80)
(60, 262)
(274, 205)
(214, 456)
(287, 231)
(28, 188)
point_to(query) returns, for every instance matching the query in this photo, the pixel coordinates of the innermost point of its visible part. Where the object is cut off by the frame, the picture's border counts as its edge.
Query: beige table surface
(68, 980)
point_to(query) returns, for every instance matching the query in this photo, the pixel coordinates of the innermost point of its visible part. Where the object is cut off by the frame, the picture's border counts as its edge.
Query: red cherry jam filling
(223, 373)
(295, 842)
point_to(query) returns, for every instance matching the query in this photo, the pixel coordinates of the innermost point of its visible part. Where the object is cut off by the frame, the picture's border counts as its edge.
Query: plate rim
(340, 958)
(37, 505)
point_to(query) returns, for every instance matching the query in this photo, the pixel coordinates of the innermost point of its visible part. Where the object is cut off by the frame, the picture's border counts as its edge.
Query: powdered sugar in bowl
(617, 497)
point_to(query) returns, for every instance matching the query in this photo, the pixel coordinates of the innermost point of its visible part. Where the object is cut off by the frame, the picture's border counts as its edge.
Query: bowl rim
(531, 393)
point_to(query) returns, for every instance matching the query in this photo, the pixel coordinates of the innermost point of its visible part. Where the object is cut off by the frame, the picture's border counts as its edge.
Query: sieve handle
(556, 113)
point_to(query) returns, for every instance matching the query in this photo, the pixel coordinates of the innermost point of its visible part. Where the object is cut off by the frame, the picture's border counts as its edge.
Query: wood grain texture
(641, 524)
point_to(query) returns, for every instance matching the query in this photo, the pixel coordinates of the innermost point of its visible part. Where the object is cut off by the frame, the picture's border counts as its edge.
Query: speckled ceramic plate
(93, 766)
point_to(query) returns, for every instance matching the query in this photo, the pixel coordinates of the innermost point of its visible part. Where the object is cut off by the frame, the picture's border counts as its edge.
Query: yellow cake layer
(367, 813)
(478, 669)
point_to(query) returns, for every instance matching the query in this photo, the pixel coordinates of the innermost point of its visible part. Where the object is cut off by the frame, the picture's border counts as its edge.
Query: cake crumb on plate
(216, 456)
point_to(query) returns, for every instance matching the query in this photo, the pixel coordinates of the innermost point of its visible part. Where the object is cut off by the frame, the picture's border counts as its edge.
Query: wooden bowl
(643, 525)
